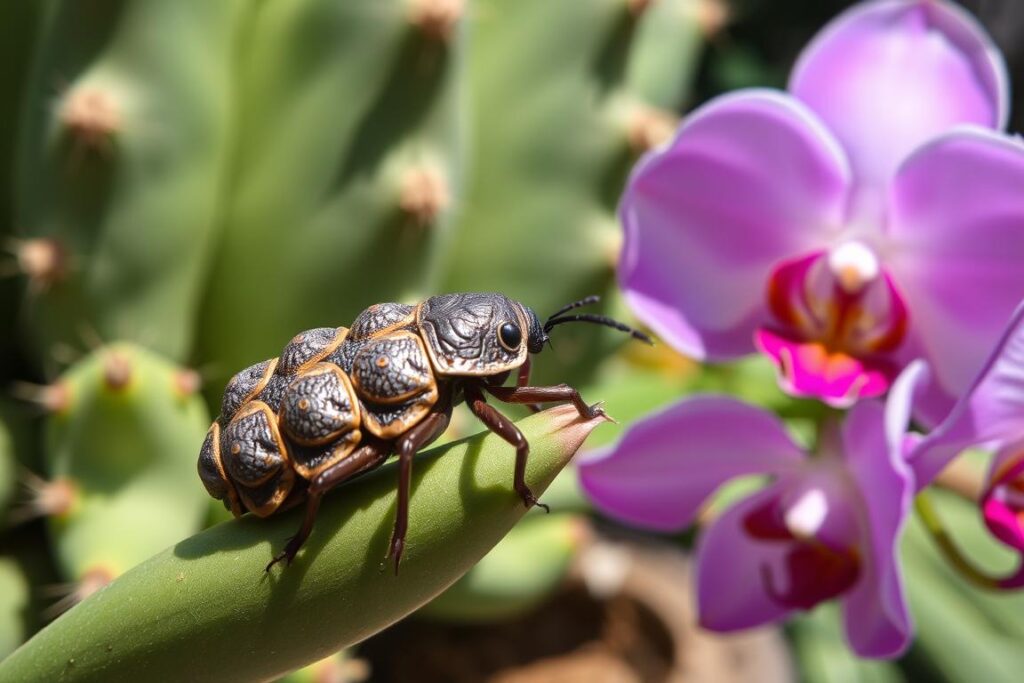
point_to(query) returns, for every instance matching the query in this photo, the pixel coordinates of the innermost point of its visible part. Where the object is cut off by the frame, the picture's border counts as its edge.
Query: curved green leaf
(205, 610)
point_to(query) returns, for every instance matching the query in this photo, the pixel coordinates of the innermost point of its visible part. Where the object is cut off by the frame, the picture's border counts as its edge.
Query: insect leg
(559, 392)
(416, 438)
(523, 379)
(506, 429)
(360, 460)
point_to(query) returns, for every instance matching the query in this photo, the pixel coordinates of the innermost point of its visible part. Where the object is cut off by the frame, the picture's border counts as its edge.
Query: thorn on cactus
(711, 16)
(436, 18)
(647, 127)
(91, 581)
(43, 260)
(53, 398)
(117, 370)
(55, 498)
(423, 194)
(91, 117)
(187, 382)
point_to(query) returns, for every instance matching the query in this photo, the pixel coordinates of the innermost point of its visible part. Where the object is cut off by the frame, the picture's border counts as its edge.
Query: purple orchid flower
(824, 527)
(990, 413)
(871, 216)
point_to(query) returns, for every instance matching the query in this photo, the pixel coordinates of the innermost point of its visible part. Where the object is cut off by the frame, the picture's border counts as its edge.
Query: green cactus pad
(14, 605)
(123, 157)
(204, 610)
(126, 445)
(349, 129)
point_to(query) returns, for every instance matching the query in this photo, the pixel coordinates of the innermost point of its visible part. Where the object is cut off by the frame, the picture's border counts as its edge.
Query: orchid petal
(665, 466)
(899, 408)
(957, 244)
(875, 610)
(731, 570)
(750, 178)
(991, 411)
(887, 76)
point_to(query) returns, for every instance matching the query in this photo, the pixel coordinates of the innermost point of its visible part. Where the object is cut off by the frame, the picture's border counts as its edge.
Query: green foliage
(347, 170)
(204, 610)
(8, 468)
(123, 445)
(14, 604)
(518, 574)
(123, 155)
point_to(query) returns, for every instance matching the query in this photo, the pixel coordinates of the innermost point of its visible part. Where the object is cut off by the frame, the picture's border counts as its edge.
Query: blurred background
(187, 184)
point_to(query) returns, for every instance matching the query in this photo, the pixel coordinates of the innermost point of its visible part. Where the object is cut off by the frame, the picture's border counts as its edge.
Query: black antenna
(586, 301)
(599, 320)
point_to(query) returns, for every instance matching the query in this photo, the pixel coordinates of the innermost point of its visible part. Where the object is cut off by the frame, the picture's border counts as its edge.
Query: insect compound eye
(510, 336)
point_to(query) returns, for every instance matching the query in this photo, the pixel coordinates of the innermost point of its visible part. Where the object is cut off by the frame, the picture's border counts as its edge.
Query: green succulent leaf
(204, 610)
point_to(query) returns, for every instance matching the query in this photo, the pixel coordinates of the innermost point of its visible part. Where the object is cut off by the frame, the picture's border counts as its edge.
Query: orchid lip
(837, 318)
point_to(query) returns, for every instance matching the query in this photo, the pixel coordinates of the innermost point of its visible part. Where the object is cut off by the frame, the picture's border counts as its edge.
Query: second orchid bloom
(865, 232)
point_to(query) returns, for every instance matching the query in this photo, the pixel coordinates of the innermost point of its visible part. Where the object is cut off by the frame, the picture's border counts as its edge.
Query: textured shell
(309, 347)
(461, 333)
(392, 369)
(244, 386)
(319, 406)
(382, 318)
(255, 458)
(393, 379)
(211, 471)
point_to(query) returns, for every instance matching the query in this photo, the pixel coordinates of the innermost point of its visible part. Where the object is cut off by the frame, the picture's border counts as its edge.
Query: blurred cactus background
(186, 184)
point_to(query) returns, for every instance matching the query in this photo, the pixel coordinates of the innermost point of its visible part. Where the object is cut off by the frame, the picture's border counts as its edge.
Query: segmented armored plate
(309, 347)
(344, 355)
(244, 386)
(263, 500)
(319, 406)
(211, 471)
(392, 420)
(309, 461)
(392, 369)
(381, 318)
(274, 390)
(254, 454)
(461, 333)
(394, 381)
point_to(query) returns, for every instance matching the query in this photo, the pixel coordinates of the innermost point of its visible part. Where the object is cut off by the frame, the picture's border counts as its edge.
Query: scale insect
(338, 402)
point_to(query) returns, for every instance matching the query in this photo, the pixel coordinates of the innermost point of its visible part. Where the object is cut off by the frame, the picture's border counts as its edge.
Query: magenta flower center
(1003, 503)
(837, 317)
(815, 568)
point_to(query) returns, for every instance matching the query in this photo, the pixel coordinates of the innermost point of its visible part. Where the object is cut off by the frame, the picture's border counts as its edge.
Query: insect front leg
(523, 380)
(416, 438)
(558, 392)
(362, 459)
(506, 429)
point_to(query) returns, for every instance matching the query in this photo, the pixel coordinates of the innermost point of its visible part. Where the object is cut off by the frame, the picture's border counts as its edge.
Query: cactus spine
(348, 168)
(123, 447)
(121, 164)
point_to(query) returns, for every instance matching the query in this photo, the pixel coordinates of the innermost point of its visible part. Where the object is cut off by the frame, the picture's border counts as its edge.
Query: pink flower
(990, 413)
(870, 216)
(824, 527)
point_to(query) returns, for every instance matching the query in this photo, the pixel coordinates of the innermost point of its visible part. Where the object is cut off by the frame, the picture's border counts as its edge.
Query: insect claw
(395, 550)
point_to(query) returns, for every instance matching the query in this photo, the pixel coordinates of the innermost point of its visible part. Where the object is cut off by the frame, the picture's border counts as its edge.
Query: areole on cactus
(120, 463)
